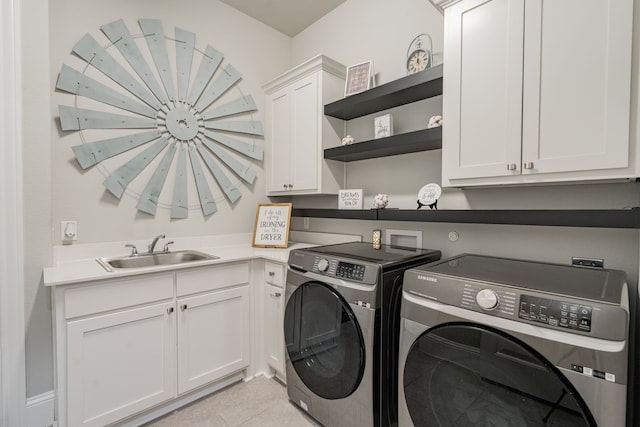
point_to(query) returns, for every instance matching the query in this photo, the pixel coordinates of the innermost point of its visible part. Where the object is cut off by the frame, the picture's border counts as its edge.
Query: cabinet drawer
(212, 278)
(113, 295)
(274, 274)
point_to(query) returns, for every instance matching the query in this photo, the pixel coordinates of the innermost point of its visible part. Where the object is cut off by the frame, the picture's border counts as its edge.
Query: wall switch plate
(68, 231)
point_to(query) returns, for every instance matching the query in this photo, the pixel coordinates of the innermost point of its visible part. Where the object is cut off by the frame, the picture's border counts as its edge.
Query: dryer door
(471, 374)
(324, 341)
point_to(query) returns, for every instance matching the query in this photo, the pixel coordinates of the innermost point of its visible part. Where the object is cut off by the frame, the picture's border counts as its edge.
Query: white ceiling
(287, 16)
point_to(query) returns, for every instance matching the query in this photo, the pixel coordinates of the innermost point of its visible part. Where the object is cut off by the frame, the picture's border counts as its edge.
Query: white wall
(56, 189)
(256, 51)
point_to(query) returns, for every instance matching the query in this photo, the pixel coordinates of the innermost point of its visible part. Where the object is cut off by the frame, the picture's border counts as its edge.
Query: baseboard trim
(40, 410)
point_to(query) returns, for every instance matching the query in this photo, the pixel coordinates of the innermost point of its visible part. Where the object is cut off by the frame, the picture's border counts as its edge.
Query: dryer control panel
(555, 312)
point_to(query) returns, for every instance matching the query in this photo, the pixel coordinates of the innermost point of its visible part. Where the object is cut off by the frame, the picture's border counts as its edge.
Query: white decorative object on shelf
(434, 122)
(383, 126)
(348, 140)
(380, 201)
(429, 195)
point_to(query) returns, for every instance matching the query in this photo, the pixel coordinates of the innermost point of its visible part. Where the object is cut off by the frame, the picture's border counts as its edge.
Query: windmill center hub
(182, 124)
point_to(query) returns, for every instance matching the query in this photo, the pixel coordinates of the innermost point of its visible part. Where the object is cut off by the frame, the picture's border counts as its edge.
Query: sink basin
(152, 260)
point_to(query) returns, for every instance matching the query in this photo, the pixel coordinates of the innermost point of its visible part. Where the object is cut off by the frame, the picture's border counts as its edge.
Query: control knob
(487, 299)
(323, 264)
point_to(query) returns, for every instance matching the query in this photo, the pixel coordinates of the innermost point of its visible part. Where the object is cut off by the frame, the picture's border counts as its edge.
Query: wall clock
(179, 123)
(419, 54)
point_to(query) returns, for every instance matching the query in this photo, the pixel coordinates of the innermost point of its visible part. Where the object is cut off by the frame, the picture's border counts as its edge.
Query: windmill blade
(118, 33)
(249, 127)
(207, 203)
(249, 150)
(180, 202)
(94, 152)
(229, 77)
(72, 81)
(227, 187)
(148, 201)
(208, 66)
(243, 171)
(118, 181)
(240, 105)
(72, 118)
(89, 50)
(185, 45)
(154, 34)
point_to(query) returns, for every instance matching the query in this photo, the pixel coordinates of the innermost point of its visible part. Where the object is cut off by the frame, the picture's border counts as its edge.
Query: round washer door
(470, 374)
(324, 341)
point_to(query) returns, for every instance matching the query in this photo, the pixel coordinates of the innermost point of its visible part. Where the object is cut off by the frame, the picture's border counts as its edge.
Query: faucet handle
(166, 246)
(134, 250)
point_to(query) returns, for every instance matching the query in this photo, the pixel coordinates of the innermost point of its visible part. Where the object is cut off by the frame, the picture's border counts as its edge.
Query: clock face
(417, 61)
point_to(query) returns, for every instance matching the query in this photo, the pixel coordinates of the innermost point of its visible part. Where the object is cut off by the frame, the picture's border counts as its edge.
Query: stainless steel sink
(152, 260)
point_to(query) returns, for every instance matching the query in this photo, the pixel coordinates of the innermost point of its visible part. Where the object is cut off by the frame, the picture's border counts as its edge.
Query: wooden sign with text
(271, 229)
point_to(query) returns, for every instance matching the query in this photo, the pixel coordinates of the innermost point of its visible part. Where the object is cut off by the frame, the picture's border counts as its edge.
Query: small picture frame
(271, 229)
(383, 126)
(359, 78)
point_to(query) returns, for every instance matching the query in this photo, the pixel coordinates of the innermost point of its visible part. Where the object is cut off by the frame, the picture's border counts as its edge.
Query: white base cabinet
(298, 131)
(274, 295)
(127, 345)
(538, 91)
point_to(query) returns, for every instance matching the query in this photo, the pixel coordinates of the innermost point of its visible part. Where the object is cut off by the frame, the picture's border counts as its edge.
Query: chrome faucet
(154, 242)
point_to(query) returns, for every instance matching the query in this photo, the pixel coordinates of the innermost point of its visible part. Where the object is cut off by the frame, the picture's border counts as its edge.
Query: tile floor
(261, 402)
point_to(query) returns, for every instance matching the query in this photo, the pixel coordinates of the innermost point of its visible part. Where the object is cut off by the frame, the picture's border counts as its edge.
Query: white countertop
(78, 264)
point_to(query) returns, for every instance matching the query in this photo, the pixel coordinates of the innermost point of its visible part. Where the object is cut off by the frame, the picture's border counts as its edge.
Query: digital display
(350, 271)
(555, 313)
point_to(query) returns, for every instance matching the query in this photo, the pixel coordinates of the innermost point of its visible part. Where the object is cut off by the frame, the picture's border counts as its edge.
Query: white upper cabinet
(298, 131)
(537, 91)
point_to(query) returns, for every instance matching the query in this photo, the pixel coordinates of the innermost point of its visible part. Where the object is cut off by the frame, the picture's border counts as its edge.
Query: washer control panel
(555, 312)
(341, 269)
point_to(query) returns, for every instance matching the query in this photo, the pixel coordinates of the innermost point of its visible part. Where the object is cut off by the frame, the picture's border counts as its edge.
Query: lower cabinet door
(273, 327)
(120, 363)
(213, 336)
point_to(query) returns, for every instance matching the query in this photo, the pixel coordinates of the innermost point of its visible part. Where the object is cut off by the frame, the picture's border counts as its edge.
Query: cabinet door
(278, 168)
(213, 336)
(273, 327)
(577, 85)
(306, 116)
(120, 364)
(483, 88)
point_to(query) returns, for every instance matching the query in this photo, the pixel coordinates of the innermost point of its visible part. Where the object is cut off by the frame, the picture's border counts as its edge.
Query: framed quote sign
(271, 229)
(359, 78)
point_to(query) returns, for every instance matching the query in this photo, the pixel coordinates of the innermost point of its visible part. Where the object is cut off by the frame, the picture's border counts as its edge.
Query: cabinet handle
(272, 273)
(169, 310)
(276, 295)
(284, 186)
(511, 167)
(290, 186)
(528, 165)
(183, 307)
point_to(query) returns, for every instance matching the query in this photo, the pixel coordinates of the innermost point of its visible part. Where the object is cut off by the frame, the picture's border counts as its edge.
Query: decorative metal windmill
(185, 121)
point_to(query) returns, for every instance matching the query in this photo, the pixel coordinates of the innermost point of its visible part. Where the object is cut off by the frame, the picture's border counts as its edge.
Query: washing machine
(341, 330)
(489, 341)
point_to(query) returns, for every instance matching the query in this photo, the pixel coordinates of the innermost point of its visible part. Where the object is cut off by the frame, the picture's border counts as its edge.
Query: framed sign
(359, 78)
(271, 229)
(350, 199)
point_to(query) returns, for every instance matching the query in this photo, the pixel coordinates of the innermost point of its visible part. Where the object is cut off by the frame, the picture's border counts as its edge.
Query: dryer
(341, 330)
(496, 341)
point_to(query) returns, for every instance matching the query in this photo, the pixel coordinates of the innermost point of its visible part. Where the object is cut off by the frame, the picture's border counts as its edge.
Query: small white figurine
(380, 201)
(347, 140)
(434, 122)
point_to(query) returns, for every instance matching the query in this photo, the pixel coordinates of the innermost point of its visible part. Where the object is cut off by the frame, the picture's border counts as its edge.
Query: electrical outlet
(305, 221)
(68, 231)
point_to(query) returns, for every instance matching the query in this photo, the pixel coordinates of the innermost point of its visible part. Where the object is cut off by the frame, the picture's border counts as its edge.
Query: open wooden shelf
(593, 218)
